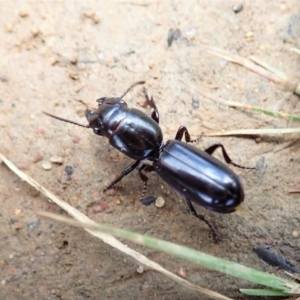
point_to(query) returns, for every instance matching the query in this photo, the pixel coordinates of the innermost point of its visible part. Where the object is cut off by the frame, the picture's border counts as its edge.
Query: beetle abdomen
(199, 176)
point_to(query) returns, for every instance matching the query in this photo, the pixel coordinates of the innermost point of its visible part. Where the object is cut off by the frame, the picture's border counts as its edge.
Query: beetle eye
(89, 114)
(100, 100)
(96, 130)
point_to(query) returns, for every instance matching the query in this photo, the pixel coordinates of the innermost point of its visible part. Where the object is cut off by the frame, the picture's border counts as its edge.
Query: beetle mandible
(193, 173)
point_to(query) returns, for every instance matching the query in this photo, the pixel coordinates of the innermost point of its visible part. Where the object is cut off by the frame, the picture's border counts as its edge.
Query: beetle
(193, 173)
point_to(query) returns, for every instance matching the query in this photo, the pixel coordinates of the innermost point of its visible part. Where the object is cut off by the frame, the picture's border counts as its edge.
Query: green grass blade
(270, 68)
(262, 68)
(274, 113)
(261, 131)
(260, 292)
(296, 50)
(247, 63)
(252, 108)
(206, 260)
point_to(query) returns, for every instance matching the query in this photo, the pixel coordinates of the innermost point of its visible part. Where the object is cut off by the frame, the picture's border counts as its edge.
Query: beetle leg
(144, 178)
(123, 174)
(210, 150)
(216, 235)
(183, 130)
(151, 103)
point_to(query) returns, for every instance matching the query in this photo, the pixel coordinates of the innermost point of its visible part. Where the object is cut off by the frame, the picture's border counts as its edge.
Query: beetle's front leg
(151, 103)
(123, 174)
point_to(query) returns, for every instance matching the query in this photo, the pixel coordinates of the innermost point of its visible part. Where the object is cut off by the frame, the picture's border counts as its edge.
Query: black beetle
(193, 173)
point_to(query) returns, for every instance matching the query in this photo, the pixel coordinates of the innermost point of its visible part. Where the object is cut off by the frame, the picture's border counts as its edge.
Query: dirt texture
(59, 57)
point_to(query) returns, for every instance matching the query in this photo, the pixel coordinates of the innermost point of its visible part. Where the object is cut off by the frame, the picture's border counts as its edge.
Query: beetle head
(94, 121)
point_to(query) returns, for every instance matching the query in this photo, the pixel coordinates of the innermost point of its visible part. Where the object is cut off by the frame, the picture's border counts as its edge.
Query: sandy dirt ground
(59, 57)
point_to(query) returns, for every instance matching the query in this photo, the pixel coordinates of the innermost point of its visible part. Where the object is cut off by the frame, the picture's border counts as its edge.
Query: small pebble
(53, 60)
(76, 139)
(17, 225)
(181, 273)
(38, 157)
(46, 165)
(258, 139)
(110, 192)
(3, 78)
(260, 163)
(148, 200)
(89, 14)
(190, 34)
(140, 269)
(160, 202)
(24, 273)
(33, 224)
(223, 62)
(23, 13)
(18, 211)
(173, 35)
(177, 34)
(35, 31)
(69, 170)
(104, 205)
(9, 27)
(23, 166)
(57, 160)
(118, 202)
(295, 234)
(96, 19)
(249, 36)
(73, 59)
(170, 38)
(237, 8)
(74, 76)
(283, 6)
(98, 207)
(195, 103)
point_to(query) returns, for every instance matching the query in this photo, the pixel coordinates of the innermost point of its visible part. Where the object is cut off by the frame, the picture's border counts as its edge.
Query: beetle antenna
(65, 120)
(132, 86)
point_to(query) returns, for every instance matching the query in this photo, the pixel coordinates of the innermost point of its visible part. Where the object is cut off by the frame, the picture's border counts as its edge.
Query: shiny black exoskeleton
(200, 177)
(128, 129)
(193, 173)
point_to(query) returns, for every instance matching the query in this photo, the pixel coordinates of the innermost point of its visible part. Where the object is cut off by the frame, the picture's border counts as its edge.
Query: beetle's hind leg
(216, 235)
(183, 130)
(210, 150)
(123, 174)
